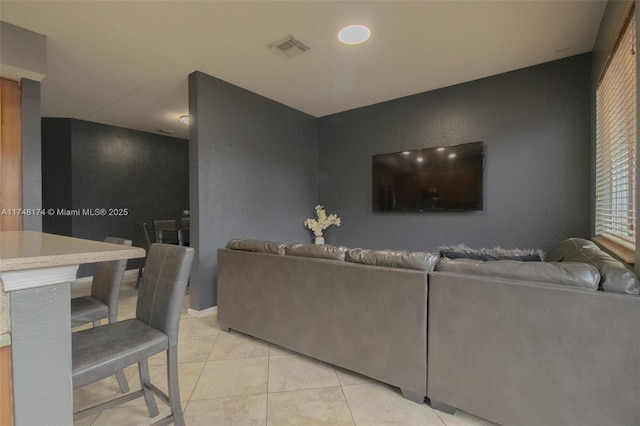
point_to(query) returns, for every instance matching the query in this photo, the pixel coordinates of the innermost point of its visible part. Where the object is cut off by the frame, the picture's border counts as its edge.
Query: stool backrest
(107, 277)
(162, 288)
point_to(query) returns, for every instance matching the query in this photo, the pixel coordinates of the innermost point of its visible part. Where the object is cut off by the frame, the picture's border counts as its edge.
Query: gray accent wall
(535, 123)
(90, 165)
(252, 174)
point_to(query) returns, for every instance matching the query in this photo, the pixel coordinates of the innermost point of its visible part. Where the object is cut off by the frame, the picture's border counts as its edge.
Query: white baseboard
(203, 313)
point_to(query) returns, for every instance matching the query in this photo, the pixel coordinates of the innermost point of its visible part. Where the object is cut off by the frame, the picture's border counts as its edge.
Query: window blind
(615, 207)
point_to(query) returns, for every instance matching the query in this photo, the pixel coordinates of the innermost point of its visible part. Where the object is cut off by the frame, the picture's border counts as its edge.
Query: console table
(36, 270)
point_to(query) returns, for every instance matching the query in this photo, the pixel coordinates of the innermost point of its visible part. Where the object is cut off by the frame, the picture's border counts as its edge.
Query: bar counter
(36, 270)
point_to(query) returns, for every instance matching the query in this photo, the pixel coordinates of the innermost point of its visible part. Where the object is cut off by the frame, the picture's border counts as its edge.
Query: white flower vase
(319, 240)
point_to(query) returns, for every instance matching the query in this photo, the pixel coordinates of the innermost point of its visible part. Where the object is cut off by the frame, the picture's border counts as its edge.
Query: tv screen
(447, 178)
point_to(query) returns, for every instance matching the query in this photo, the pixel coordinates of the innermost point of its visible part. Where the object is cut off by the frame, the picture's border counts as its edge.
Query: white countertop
(21, 250)
(33, 251)
(36, 269)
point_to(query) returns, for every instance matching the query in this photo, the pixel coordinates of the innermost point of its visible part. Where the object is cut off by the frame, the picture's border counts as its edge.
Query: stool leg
(122, 381)
(174, 390)
(145, 379)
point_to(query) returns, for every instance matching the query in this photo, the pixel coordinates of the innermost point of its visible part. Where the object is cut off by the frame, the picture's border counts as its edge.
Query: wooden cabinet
(10, 184)
(6, 396)
(10, 199)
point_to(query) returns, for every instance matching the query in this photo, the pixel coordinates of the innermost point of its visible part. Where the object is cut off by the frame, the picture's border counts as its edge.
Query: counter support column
(41, 346)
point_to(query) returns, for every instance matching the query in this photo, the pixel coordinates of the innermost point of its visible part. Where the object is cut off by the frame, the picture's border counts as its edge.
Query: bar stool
(103, 301)
(99, 352)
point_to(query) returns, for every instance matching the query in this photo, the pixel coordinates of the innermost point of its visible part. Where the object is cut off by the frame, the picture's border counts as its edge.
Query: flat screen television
(446, 178)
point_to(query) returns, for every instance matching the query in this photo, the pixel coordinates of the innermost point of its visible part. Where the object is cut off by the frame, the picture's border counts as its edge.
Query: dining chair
(146, 243)
(103, 300)
(99, 352)
(167, 231)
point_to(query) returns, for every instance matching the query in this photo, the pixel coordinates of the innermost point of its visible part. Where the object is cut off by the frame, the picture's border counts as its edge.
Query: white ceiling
(126, 63)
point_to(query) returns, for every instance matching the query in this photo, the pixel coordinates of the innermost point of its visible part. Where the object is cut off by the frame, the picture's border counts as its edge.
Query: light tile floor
(234, 379)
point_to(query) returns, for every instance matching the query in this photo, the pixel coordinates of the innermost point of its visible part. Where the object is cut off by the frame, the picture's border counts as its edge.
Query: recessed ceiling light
(184, 119)
(354, 34)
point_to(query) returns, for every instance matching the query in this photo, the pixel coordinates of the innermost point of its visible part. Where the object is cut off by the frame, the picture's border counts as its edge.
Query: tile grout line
(437, 414)
(346, 400)
(206, 361)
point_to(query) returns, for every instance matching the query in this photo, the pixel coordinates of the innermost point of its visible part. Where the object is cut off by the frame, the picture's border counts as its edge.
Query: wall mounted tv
(447, 178)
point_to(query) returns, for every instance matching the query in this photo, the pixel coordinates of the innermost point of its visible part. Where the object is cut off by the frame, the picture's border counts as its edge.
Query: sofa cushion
(257, 246)
(421, 260)
(573, 274)
(615, 276)
(323, 251)
(496, 253)
(569, 248)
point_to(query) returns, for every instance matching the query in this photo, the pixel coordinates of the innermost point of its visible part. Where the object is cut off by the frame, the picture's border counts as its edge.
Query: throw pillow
(496, 253)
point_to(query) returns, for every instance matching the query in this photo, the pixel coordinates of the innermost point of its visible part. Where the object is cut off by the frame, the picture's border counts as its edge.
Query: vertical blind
(615, 208)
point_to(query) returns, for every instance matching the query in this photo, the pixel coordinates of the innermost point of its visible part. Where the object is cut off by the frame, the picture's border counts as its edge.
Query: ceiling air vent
(288, 47)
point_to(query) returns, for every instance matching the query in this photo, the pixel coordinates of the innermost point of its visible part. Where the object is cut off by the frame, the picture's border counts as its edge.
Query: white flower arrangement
(322, 222)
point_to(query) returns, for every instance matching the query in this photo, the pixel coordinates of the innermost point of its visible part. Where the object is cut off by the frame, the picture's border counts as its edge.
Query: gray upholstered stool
(103, 301)
(101, 351)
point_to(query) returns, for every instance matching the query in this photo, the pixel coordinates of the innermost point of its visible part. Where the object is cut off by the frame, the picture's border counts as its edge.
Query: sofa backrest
(257, 246)
(420, 260)
(572, 274)
(322, 251)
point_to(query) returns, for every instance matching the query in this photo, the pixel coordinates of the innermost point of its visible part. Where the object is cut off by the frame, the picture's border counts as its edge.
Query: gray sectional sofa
(531, 343)
(365, 318)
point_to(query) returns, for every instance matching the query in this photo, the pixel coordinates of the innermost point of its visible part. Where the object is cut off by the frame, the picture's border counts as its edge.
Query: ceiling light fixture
(184, 119)
(354, 34)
